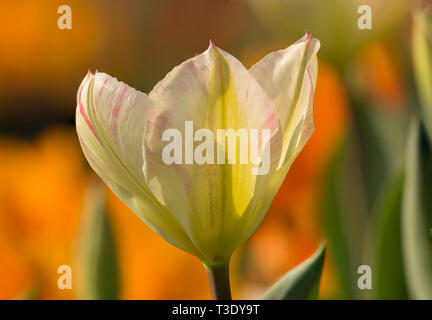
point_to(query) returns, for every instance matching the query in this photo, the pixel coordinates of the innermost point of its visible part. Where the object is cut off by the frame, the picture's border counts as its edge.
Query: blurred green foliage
(417, 213)
(97, 258)
(389, 277)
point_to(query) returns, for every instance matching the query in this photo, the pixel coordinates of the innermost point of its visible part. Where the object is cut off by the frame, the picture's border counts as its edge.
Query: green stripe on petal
(212, 201)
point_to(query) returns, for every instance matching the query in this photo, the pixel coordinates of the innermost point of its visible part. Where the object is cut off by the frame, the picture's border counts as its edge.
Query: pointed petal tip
(88, 75)
(211, 44)
(308, 38)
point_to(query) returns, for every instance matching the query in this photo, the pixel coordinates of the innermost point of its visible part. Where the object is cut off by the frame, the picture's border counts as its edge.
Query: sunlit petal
(288, 77)
(214, 91)
(110, 122)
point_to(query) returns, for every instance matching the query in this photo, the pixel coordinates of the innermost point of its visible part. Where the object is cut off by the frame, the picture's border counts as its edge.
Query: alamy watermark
(365, 19)
(65, 279)
(64, 22)
(254, 147)
(365, 280)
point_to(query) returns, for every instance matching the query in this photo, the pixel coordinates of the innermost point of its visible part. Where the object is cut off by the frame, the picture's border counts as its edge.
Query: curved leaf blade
(302, 282)
(417, 214)
(389, 274)
(338, 229)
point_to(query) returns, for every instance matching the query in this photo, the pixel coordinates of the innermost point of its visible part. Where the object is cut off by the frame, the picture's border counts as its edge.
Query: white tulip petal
(110, 121)
(288, 76)
(212, 201)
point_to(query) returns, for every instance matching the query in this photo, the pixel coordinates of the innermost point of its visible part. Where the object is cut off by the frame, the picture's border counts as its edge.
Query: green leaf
(389, 274)
(97, 259)
(378, 131)
(302, 282)
(417, 214)
(340, 239)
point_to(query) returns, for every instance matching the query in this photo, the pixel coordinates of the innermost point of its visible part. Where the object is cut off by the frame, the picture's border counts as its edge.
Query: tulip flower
(203, 206)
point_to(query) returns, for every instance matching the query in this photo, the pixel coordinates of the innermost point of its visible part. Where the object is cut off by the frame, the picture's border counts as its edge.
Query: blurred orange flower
(379, 73)
(41, 191)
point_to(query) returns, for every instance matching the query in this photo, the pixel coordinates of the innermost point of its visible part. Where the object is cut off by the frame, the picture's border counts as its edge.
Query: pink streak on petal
(101, 89)
(272, 121)
(116, 109)
(308, 36)
(84, 115)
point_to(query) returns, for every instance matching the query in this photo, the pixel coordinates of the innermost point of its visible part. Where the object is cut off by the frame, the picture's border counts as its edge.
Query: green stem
(218, 276)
